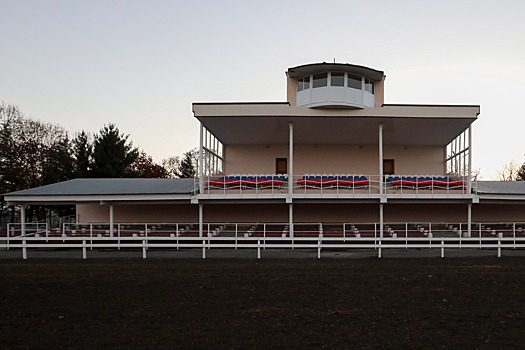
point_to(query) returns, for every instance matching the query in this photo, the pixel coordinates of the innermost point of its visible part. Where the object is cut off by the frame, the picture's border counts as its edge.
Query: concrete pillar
(380, 158)
(469, 220)
(381, 221)
(290, 219)
(290, 161)
(201, 218)
(201, 171)
(111, 220)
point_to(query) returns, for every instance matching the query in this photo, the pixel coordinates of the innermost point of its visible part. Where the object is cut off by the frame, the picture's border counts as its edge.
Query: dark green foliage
(113, 154)
(187, 168)
(83, 153)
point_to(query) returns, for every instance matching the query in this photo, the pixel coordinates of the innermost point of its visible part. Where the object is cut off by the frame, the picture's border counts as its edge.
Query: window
(320, 80)
(354, 82)
(337, 79)
(369, 86)
(303, 83)
(281, 166)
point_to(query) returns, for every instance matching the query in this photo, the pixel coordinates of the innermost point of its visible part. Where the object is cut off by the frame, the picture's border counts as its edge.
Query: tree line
(35, 153)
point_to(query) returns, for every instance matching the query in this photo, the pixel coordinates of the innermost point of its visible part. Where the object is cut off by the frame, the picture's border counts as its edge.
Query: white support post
(469, 180)
(381, 158)
(290, 219)
(381, 221)
(290, 161)
(111, 220)
(469, 219)
(201, 216)
(201, 172)
(22, 220)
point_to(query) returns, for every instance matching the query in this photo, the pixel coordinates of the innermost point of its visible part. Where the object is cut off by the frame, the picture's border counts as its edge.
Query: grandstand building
(333, 152)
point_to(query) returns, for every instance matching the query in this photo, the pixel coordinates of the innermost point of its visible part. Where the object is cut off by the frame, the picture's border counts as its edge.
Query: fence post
(319, 246)
(514, 233)
(258, 249)
(84, 252)
(204, 249)
(118, 236)
(379, 250)
(24, 248)
(144, 249)
(236, 228)
(500, 236)
(91, 236)
(442, 249)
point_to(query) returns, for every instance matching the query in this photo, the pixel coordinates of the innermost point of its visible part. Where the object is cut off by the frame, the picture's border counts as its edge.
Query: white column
(381, 220)
(23, 220)
(469, 180)
(290, 161)
(380, 158)
(111, 220)
(201, 217)
(290, 219)
(201, 172)
(469, 220)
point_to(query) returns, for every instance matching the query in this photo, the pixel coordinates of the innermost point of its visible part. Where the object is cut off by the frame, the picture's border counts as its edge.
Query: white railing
(317, 236)
(336, 184)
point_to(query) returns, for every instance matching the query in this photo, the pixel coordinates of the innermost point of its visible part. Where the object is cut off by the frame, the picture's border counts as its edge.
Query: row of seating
(332, 180)
(424, 181)
(249, 181)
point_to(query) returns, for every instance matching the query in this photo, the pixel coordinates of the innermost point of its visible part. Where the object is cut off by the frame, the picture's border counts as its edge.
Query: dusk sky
(140, 64)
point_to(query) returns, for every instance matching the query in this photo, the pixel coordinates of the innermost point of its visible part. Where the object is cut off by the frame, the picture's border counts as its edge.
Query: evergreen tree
(113, 154)
(83, 153)
(187, 168)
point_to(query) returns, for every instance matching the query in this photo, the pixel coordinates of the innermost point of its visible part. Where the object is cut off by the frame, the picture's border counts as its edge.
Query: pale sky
(140, 64)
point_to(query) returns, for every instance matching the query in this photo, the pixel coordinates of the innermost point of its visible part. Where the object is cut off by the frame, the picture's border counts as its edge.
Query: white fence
(307, 236)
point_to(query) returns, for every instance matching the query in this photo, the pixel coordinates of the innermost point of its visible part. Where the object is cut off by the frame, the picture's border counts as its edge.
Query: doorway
(281, 166)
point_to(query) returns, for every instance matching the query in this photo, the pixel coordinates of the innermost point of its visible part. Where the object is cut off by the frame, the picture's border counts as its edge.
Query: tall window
(337, 79)
(354, 82)
(369, 86)
(320, 80)
(303, 83)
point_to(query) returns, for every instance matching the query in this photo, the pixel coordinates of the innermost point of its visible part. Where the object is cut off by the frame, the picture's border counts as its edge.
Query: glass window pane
(354, 82)
(337, 79)
(320, 80)
(306, 82)
(299, 84)
(369, 86)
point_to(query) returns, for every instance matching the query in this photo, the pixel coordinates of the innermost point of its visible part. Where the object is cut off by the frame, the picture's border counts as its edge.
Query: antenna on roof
(334, 59)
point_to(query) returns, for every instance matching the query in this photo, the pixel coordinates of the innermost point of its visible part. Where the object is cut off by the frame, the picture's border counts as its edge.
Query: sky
(140, 64)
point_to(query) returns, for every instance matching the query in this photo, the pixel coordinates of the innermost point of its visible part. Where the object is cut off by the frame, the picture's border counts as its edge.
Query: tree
(144, 166)
(510, 172)
(113, 154)
(187, 167)
(83, 153)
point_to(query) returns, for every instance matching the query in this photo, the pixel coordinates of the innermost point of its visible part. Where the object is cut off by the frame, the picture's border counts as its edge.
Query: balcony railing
(336, 184)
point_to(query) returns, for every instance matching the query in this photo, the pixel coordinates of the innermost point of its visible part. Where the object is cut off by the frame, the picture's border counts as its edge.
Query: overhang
(267, 123)
(307, 69)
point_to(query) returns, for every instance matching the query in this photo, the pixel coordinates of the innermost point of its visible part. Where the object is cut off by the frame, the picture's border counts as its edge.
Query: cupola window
(320, 80)
(337, 79)
(354, 82)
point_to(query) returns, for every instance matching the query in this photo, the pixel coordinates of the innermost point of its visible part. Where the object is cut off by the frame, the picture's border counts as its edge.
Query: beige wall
(291, 90)
(303, 213)
(334, 159)
(130, 213)
(379, 92)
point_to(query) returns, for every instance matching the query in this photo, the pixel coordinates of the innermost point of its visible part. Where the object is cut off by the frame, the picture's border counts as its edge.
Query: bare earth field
(122, 303)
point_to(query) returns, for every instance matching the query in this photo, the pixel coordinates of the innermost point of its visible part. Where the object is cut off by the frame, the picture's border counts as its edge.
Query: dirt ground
(124, 303)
